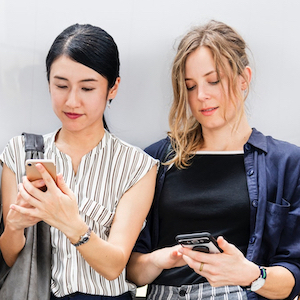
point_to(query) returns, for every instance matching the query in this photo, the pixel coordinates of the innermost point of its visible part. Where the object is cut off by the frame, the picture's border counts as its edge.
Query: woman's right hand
(18, 221)
(167, 258)
(144, 268)
(12, 239)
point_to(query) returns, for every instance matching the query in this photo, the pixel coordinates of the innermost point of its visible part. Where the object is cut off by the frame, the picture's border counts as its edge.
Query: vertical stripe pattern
(202, 291)
(103, 176)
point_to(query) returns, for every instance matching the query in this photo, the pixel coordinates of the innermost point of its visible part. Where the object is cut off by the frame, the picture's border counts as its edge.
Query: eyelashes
(194, 86)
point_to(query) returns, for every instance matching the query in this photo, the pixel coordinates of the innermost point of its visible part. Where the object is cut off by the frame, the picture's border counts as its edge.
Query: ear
(113, 91)
(246, 81)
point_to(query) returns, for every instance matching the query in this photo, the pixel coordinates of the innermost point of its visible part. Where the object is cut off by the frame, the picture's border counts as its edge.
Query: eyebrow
(83, 80)
(208, 73)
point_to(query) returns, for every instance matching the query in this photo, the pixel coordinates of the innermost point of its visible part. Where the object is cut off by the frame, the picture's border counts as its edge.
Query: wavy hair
(227, 48)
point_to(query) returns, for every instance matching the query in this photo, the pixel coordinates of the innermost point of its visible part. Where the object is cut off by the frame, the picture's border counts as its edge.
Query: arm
(58, 207)
(232, 268)
(142, 268)
(12, 239)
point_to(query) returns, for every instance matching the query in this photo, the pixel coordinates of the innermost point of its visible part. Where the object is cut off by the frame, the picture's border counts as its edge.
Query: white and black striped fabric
(202, 291)
(103, 176)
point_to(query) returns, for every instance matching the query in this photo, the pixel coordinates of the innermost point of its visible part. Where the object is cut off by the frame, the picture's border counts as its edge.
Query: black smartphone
(203, 242)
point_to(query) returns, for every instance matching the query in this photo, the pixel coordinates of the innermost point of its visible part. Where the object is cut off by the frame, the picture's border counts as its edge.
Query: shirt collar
(258, 140)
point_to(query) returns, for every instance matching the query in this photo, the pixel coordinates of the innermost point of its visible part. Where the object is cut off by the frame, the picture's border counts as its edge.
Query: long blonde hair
(226, 46)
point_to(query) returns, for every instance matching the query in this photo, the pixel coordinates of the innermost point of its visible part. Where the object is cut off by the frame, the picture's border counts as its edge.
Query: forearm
(104, 257)
(279, 283)
(141, 270)
(11, 244)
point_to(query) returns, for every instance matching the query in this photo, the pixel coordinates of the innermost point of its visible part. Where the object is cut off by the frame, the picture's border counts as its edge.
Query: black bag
(29, 278)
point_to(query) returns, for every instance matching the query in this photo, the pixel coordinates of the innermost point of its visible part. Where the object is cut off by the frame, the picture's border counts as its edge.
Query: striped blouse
(103, 176)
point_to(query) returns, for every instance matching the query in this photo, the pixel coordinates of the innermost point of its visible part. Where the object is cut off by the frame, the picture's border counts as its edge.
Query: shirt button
(250, 172)
(69, 256)
(252, 239)
(247, 147)
(182, 293)
(254, 203)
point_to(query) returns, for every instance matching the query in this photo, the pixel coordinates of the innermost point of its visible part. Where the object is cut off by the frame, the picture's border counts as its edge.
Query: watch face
(257, 284)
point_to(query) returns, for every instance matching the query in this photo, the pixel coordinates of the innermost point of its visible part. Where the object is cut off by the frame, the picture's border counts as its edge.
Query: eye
(87, 89)
(190, 88)
(215, 82)
(61, 86)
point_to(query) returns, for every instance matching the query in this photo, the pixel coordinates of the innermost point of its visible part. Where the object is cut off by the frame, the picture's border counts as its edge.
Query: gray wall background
(146, 32)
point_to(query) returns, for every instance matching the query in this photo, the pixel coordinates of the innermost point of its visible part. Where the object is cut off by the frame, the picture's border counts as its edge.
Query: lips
(72, 116)
(208, 111)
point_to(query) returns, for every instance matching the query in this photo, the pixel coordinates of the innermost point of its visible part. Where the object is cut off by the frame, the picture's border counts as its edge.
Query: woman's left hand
(227, 268)
(57, 206)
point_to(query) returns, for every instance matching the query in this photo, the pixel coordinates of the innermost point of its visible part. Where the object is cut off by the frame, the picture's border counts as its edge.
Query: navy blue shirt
(273, 174)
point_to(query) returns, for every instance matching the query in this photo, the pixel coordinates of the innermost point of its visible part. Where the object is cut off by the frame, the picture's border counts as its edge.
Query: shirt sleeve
(13, 156)
(140, 164)
(288, 251)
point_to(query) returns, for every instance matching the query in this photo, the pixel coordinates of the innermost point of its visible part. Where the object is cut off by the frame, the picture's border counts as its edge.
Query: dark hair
(88, 45)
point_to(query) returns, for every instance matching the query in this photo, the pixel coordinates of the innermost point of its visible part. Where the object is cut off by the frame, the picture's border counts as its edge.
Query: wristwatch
(84, 238)
(259, 282)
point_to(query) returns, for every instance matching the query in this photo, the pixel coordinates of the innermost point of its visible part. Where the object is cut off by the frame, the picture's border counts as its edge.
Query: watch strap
(84, 238)
(262, 276)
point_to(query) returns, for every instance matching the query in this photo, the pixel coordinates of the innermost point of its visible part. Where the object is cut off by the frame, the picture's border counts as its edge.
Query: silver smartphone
(33, 174)
(203, 242)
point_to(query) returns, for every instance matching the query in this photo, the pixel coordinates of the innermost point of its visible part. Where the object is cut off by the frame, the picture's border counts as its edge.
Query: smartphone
(203, 242)
(33, 174)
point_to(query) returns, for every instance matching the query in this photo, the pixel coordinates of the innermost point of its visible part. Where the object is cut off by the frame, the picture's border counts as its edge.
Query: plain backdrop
(147, 33)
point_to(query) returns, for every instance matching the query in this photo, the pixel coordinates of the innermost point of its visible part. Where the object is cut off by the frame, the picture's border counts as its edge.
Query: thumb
(224, 245)
(175, 255)
(62, 184)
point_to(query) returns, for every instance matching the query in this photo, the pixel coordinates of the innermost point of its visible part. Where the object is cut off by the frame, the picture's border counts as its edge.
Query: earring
(109, 102)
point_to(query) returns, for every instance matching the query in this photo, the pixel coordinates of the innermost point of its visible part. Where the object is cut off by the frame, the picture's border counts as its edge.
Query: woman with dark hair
(220, 176)
(104, 187)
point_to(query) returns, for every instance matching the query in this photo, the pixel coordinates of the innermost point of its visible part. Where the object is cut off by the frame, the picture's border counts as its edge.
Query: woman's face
(205, 94)
(79, 94)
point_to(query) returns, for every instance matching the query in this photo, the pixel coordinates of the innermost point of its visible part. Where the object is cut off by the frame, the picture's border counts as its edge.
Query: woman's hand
(144, 268)
(167, 258)
(57, 206)
(232, 268)
(227, 268)
(18, 221)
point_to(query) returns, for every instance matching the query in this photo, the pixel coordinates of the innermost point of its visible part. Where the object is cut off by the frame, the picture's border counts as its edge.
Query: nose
(73, 99)
(203, 93)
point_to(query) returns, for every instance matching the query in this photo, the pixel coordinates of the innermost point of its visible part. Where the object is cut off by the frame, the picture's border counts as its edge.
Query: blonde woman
(224, 177)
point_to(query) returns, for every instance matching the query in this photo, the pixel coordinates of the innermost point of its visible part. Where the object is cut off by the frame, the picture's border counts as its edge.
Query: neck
(73, 141)
(228, 138)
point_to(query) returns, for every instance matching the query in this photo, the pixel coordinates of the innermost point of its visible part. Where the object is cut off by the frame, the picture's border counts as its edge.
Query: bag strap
(34, 145)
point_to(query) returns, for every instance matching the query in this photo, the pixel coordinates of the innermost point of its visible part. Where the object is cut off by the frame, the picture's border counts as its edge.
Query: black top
(210, 195)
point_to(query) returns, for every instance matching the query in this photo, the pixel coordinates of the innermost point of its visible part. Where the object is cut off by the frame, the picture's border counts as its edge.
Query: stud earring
(109, 102)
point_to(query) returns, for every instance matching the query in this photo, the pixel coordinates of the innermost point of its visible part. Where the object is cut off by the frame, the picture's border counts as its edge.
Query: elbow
(137, 281)
(135, 276)
(113, 273)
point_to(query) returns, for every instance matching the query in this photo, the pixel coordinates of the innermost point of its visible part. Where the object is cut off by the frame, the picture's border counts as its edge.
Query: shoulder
(282, 149)
(16, 143)
(49, 139)
(117, 145)
(159, 148)
(276, 150)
